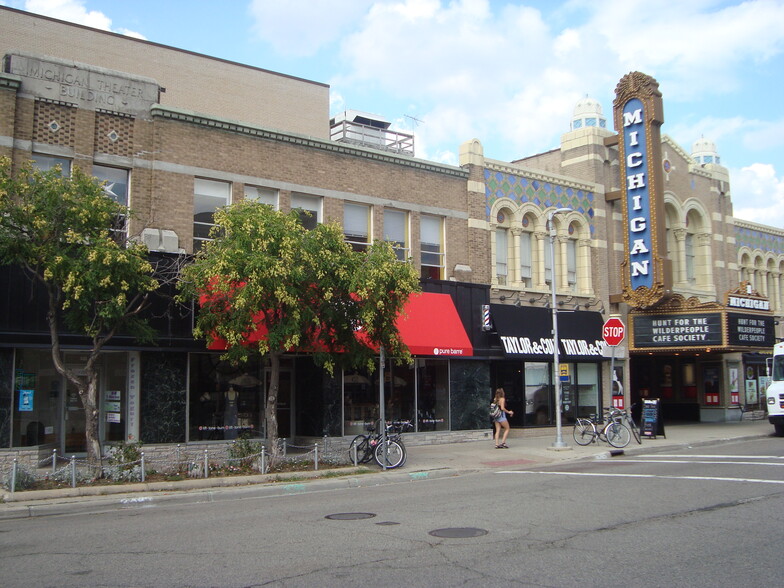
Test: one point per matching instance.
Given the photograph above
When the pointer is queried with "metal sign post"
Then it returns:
(381, 411)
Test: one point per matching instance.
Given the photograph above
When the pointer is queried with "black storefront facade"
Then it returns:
(177, 391)
(525, 366)
(704, 361)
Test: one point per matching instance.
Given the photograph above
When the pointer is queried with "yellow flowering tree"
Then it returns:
(59, 230)
(267, 285)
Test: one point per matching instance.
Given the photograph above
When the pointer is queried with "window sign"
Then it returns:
(26, 400)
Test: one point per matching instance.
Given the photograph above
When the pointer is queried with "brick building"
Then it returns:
(140, 116)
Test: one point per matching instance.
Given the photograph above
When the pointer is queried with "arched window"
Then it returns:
(502, 254)
(671, 227)
(697, 249)
(502, 247)
(527, 250)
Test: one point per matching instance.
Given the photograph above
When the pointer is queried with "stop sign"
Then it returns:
(613, 331)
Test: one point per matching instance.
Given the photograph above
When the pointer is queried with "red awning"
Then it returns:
(431, 326)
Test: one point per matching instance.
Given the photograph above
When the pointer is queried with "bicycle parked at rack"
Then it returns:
(627, 420)
(610, 428)
(364, 448)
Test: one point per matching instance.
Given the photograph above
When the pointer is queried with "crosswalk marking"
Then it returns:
(649, 476)
(702, 461)
(658, 455)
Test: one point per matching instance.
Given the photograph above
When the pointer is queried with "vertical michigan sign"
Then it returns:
(638, 115)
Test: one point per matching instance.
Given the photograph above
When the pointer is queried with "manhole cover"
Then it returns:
(458, 532)
(387, 523)
(350, 516)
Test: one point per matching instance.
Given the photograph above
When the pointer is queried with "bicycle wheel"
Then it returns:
(617, 434)
(583, 432)
(634, 428)
(396, 454)
(361, 442)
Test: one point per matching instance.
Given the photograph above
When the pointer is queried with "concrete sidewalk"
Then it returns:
(527, 448)
(534, 446)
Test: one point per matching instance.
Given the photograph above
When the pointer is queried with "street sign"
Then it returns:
(613, 331)
(563, 369)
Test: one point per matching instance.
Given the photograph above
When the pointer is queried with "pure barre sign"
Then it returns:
(638, 116)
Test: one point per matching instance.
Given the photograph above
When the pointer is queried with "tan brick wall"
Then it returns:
(192, 81)
(338, 176)
(7, 119)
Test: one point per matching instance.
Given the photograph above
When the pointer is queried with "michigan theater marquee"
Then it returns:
(696, 352)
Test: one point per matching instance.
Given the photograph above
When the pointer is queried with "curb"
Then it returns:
(34, 503)
(55, 502)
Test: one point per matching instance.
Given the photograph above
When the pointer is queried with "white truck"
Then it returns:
(775, 393)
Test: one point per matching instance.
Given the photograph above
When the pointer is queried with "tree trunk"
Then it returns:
(87, 386)
(271, 410)
(89, 396)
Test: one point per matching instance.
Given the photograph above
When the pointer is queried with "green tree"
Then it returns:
(58, 229)
(307, 288)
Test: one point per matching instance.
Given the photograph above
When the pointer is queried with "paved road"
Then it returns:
(674, 518)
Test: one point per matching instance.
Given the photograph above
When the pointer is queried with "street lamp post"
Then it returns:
(559, 442)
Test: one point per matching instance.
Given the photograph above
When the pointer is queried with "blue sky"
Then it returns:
(506, 72)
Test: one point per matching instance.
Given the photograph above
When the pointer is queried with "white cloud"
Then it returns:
(76, 12)
(691, 47)
(300, 28)
(758, 195)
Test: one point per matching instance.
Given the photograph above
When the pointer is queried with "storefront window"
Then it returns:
(470, 394)
(360, 399)
(399, 392)
(433, 397)
(509, 376)
(114, 397)
(47, 409)
(587, 400)
(6, 395)
(37, 394)
(225, 401)
(538, 394)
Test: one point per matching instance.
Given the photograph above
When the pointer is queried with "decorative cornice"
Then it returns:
(565, 181)
(752, 226)
(677, 148)
(678, 303)
(10, 81)
(176, 114)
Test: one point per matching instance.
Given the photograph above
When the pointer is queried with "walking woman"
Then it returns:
(500, 421)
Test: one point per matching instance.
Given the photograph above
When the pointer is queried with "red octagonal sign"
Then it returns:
(613, 331)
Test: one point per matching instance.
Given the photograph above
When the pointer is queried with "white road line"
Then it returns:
(606, 475)
(688, 461)
(717, 456)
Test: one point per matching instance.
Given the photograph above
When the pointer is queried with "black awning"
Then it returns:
(527, 333)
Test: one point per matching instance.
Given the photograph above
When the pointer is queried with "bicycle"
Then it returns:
(627, 419)
(364, 448)
(615, 432)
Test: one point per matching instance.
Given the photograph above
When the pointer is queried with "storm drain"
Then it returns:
(458, 532)
(350, 516)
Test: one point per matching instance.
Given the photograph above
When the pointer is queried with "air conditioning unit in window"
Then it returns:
(161, 240)
(152, 239)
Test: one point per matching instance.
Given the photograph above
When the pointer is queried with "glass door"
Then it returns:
(285, 413)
